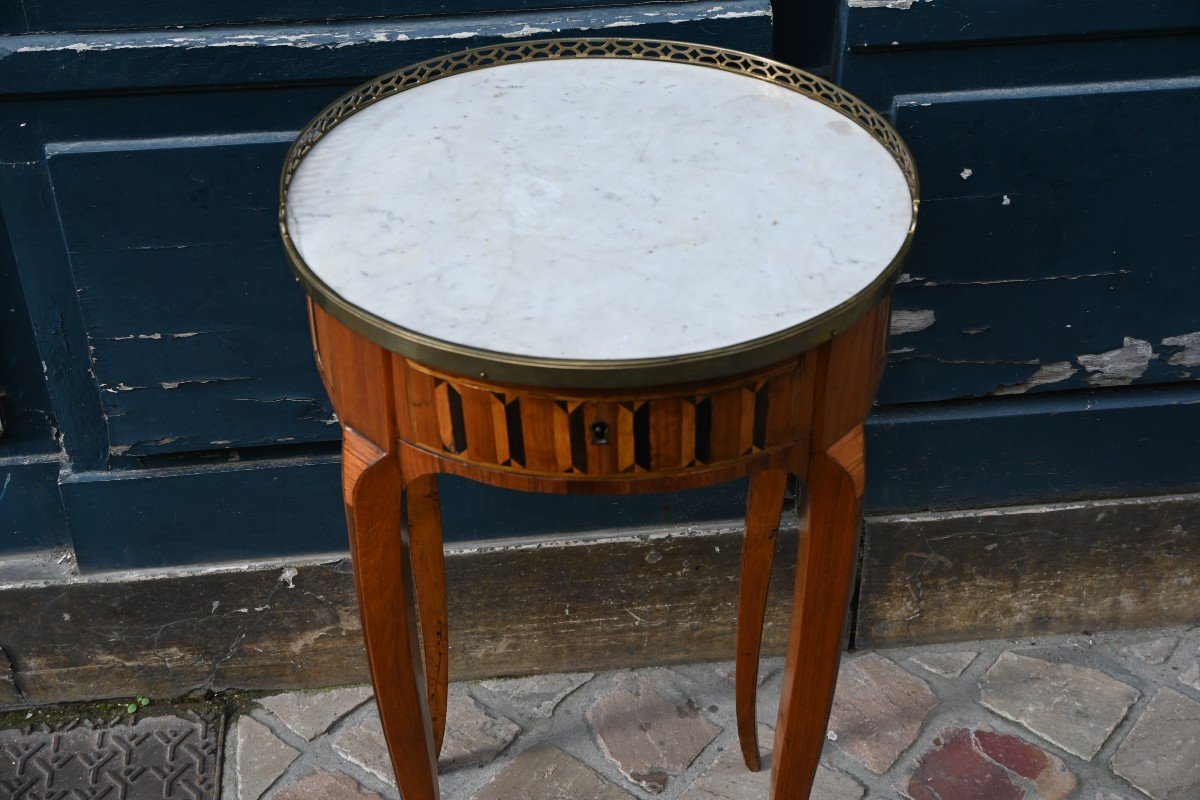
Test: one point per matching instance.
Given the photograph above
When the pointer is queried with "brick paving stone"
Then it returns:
(543, 772)
(728, 779)
(310, 714)
(1191, 675)
(326, 786)
(1074, 707)
(362, 745)
(765, 672)
(473, 736)
(948, 665)
(1152, 651)
(980, 764)
(1161, 754)
(878, 710)
(261, 758)
(646, 735)
(539, 695)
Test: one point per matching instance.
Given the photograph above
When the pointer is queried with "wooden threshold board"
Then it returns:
(602, 601)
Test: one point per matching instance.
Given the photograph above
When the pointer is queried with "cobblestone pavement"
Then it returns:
(1111, 716)
(1088, 717)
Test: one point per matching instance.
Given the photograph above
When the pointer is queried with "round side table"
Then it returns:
(599, 266)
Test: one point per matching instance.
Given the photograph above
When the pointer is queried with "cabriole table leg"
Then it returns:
(849, 368)
(764, 506)
(429, 570)
(380, 553)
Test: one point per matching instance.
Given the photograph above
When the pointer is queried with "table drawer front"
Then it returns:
(602, 433)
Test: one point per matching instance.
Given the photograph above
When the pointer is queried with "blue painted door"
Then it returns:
(160, 401)
(1047, 332)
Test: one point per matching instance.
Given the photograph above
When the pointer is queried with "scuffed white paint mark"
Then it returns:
(911, 321)
(381, 37)
(901, 5)
(341, 36)
(901, 351)
(742, 14)
(288, 576)
(1045, 374)
(966, 173)
(216, 604)
(1119, 367)
(524, 30)
(119, 449)
(1189, 356)
(1005, 201)
(177, 384)
(137, 336)
(7, 481)
(66, 617)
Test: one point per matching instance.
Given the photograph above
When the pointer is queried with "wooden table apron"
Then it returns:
(403, 423)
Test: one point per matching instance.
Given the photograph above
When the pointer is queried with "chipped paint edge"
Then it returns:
(353, 33)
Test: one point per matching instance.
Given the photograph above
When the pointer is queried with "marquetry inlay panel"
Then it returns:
(602, 432)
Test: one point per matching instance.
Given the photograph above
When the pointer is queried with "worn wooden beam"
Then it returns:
(237, 54)
(540, 606)
(605, 601)
(1030, 570)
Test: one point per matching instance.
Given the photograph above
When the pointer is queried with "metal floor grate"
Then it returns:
(156, 757)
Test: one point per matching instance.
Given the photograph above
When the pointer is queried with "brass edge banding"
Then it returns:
(609, 374)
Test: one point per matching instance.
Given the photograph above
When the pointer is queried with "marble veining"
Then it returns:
(598, 209)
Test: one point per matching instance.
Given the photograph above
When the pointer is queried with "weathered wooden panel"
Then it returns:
(1039, 448)
(891, 23)
(25, 423)
(260, 54)
(31, 513)
(878, 76)
(20, 16)
(950, 455)
(540, 607)
(195, 325)
(1054, 244)
(1018, 572)
(205, 513)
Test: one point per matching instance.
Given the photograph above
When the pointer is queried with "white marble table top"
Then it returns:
(598, 209)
